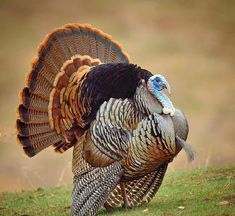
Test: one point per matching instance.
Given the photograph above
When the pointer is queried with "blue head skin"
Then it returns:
(156, 84)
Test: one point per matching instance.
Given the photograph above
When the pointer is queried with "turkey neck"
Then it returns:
(145, 102)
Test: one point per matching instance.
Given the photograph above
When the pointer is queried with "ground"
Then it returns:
(199, 192)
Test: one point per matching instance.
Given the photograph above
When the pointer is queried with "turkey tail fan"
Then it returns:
(59, 47)
(91, 189)
(138, 191)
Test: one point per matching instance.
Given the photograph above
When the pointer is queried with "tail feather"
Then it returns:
(58, 47)
(32, 116)
(34, 144)
(25, 129)
(40, 85)
(33, 101)
(93, 188)
(37, 140)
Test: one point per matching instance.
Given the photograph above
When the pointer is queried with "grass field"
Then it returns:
(198, 192)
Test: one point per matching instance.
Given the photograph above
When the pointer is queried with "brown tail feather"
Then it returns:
(32, 116)
(38, 142)
(61, 45)
(33, 101)
(32, 129)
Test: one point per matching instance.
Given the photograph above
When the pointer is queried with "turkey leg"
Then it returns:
(125, 199)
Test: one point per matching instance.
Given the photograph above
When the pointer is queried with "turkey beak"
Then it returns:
(168, 87)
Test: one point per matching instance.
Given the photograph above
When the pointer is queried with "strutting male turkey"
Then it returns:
(82, 91)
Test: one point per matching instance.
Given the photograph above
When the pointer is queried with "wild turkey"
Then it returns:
(82, 91)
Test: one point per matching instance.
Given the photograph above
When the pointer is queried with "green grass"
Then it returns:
(198, 192)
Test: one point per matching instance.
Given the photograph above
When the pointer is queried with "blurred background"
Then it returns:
(191, 42)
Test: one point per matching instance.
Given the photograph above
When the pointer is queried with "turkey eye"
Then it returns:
(158, 84)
